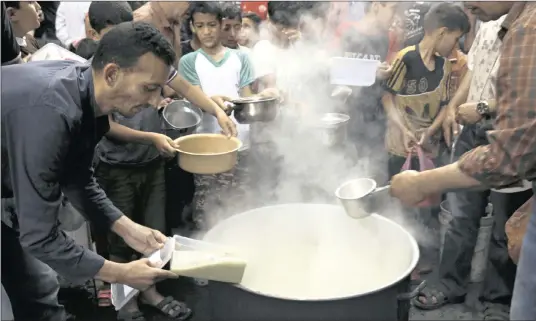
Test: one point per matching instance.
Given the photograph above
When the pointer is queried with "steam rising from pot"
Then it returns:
(309, 172)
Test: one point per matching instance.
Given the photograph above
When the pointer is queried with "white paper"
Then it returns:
(353, 71)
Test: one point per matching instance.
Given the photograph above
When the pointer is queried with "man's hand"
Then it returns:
(141, 274)
(384, 71)
(450, 126)
(165, 145)
(141, 238)
(424, 136)
(467, 114)
(405, 187)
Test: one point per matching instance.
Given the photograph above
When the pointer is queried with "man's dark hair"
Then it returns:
(12, 4)
(86, 48)
(232, 11)
(128, 41)
(103, 14)
(206, 7)
(446, 15)
(253, 17)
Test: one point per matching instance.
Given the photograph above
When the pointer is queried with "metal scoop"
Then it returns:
(358, 196)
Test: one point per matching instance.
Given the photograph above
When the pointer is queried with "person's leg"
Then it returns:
(500, 275)
(524, 296)
(120, 185)
(153, 195)
(460, 239)
(31, 285)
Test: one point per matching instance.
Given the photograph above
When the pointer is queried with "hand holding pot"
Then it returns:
(406, 188)
(141, 274)
(165, 145)
(384, 71)
(140, 238)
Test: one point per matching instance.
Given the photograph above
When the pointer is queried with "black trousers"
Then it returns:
(460, 239)
(31, 285)
(140, 193)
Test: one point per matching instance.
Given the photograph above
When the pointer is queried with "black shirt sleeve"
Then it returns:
(36, 152)
(10, 47)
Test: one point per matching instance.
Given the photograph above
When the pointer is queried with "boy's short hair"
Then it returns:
(205, 7)
(104, 14)
(289, 13)
(232, 11)
(86, 48)
(253, 17)
(446, 15)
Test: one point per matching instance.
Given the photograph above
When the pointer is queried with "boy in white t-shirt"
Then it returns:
(218, 71)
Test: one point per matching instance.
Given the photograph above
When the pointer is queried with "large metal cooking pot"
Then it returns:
(248, 110)
(313, 262)
(333, 128)
(208, 153)
(180, 118)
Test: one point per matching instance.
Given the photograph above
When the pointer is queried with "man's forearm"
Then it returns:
(125, 134)
(447, 178)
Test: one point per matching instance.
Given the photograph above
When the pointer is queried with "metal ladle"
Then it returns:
(358, 196)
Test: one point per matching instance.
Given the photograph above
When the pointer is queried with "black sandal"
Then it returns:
(496, 312)
(130, 316)
(429, 294)
(172, 308)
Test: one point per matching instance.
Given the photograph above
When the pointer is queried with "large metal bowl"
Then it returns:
(248, 110)
(181, 118)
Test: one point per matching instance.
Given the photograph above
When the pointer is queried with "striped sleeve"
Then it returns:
(395, 83)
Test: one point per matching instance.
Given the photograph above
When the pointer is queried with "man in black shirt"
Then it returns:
(10, 47)
(50, 126)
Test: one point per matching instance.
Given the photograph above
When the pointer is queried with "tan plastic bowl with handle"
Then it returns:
(208, 153)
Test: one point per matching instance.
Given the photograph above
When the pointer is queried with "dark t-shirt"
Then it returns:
(364, 105)
(414, 23)
(10, 47)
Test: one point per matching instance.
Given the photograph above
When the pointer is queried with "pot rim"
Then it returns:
(407, 272)
(340, 119)
(189, 105)
(345, 184)
(193, 136)
(249, 100)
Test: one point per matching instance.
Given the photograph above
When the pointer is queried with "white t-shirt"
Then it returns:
(225, 77)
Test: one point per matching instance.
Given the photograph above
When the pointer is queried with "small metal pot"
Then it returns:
(180, 118)
(208, 153)
(333, 127)
(361, 197)
(254, 109)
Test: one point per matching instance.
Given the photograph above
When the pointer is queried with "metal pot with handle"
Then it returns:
(180, 118)
(313, 262)
(249, 110)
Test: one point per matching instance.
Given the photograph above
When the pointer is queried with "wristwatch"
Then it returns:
(483, 108)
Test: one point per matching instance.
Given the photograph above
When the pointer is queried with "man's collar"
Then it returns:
(513, 14)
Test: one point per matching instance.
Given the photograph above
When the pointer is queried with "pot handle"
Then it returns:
(413, 294)
(230, 107)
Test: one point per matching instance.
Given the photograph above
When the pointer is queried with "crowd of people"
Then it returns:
(455, 85)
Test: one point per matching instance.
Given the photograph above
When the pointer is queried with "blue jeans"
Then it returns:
(524, 298)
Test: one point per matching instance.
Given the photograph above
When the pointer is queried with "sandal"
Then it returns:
(496, 312)
(104, 297)
(130, 316)
(429, 295)
(172, 308)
